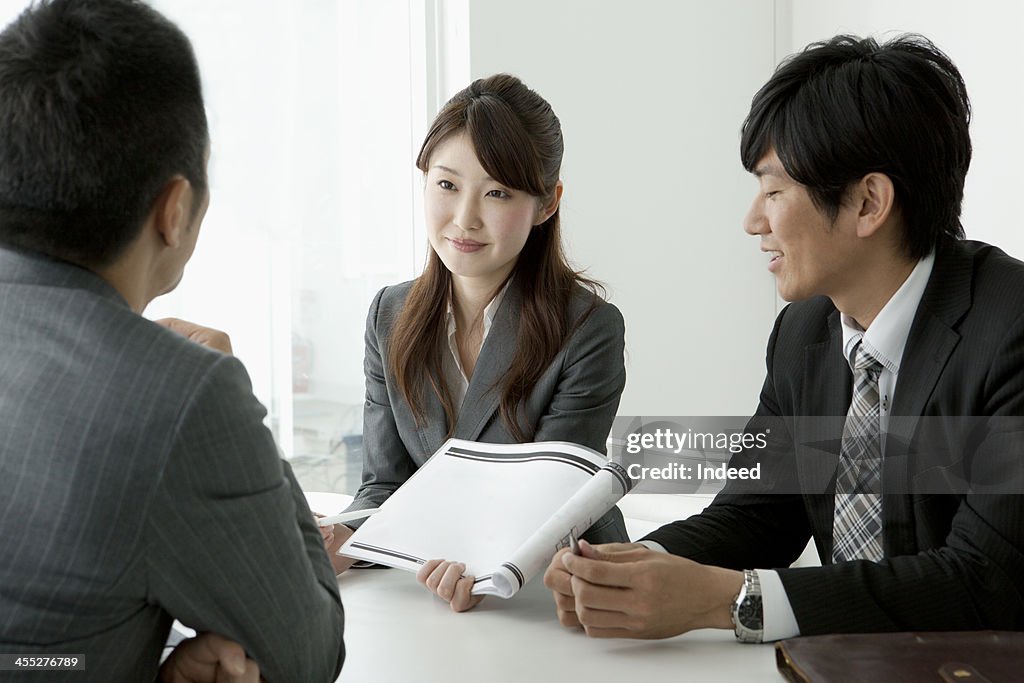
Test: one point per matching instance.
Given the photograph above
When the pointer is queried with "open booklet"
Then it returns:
(501, 509)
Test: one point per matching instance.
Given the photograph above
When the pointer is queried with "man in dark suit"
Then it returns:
(138, 483)
(861, 152)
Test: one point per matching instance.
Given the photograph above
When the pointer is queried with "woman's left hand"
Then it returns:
(448, 581)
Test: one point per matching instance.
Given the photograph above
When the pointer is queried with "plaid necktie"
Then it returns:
(857, 525)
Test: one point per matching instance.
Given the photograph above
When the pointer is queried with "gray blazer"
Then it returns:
(575, 399)
(138, 484)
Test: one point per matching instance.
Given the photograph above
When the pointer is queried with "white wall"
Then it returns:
(651, 96)
(983, 40)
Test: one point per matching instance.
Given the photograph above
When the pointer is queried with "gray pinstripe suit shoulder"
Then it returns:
(138, 484)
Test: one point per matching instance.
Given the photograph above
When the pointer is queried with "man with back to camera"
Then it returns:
(134, 463)
(860, 151)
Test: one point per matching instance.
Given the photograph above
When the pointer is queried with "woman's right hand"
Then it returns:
(334, 536)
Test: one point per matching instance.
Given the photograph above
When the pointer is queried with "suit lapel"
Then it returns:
(484, 393)
(827, 388)
(435, 431)
(931, 341)
(932, 338)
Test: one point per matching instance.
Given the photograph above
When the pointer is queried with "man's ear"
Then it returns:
(547, 209)
(875, 198)
(172, 211)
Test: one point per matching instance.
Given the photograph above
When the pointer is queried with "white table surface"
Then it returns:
(395, 631)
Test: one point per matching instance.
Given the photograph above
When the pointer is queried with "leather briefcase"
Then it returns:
(939, 657)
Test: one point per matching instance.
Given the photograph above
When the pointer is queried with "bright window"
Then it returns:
(317, 109)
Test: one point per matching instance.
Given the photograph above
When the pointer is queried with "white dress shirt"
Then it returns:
(885, 339)
(454, 374)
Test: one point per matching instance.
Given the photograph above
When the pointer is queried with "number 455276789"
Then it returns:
(42, 662)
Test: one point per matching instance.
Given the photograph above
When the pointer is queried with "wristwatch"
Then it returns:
(747, 610)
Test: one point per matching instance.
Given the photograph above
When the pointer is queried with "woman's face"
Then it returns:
(476, 225)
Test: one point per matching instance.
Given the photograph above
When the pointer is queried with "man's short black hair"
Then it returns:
(100, 106)
(848, 106)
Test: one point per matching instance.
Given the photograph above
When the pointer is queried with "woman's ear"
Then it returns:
(547, 209)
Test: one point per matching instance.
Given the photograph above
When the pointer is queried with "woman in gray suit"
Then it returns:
(499, 340)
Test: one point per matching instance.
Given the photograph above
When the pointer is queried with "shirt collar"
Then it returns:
(490, 310)
(886, 337)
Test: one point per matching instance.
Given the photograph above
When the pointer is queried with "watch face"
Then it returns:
(750, 613)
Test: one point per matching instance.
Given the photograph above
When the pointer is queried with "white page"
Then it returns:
(477, 504)
(579, 513)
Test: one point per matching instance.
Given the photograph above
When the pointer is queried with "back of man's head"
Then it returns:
(100, 106)
(848, 106)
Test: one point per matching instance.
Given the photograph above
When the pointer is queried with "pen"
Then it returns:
(346, 516)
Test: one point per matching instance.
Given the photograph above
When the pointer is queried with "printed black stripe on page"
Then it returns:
(391, 553)
(620, 473)
(573, 460)
(515, 572)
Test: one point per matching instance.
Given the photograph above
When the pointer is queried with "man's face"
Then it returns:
(810, 255)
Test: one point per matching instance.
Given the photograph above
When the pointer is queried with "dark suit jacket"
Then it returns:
(953, 561)
(138, 484)
(574, 400)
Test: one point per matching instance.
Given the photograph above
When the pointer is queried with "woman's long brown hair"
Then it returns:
(518, 140)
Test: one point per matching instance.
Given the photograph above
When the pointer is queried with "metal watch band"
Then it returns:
(748, 610)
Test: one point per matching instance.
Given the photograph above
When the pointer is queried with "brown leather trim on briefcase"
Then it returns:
(954, 657)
